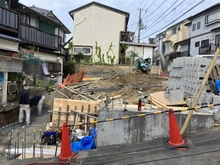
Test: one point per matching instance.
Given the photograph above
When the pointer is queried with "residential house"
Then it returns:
(33, 33)
(159, 51)
(143, 50)
(204, 32)
(175, 33)
(98, 31)
(9, 42)
(42, 31)
(168, 49)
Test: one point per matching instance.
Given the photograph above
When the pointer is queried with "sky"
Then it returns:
(157, 15)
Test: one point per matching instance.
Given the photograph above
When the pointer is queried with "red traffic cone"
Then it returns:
(175, 136)
(66, 151)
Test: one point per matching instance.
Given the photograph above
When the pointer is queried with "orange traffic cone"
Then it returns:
(66, 151)
(175, 136)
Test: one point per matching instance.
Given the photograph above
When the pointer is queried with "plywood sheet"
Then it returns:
(159, 96)
(77, 105)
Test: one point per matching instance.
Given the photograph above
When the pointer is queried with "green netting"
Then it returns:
(47, 27)
(31, 60)
(2, 3)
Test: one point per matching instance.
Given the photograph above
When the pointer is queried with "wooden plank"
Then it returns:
(159, 96)
(73, 105)
(111, 98)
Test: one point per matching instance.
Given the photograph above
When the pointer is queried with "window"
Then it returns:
(217, 40)
(54, 67)
(205, 43)
(213, 17)
(83, 50)
(25, 18)
(174, 30)
(198, 25)
(194, 27)
(197, 44)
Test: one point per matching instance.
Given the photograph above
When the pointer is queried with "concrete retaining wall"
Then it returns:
(145, 128)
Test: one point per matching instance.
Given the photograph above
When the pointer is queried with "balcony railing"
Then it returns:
(127, 36)
(185, 54)
(208, 49)
(39, 37)
(8, 18)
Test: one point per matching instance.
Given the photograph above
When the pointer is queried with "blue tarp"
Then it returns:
(86, 143)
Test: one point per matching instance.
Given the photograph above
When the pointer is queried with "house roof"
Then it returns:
(71, 13)
(10, 38)
(217, 5)
(47, 14)
(68, 41)
(139, 44)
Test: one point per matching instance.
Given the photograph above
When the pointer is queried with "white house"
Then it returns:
(98, 30)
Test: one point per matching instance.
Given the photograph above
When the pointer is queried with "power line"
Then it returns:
(136, 13)
(136, 23)
(175, 19)
(156, 21)
(149, 5)
(156, 9)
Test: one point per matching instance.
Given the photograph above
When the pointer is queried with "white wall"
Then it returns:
(184, 47)
(8, 45)
(144, 52)
(195, 50)
(204, 28)
(101, 25)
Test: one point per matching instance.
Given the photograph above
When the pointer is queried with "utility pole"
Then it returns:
(140, 25)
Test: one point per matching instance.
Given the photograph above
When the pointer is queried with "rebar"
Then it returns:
(56, 149)
(15, 149)
(33, 149)
(22, 148)
(17, 144)
(25, 143)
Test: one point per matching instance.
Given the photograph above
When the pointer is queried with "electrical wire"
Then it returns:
(174, 19)
(149, 5)
(157, 20)
(156, 9)
(136, 14)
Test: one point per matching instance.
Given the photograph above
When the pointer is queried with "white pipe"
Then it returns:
(30, 151)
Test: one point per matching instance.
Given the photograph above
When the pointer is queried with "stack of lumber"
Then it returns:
(161, 102)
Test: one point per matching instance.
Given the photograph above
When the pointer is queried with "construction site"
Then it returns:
(117, 117)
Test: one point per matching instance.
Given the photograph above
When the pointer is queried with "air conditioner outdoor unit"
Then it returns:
(12, 87)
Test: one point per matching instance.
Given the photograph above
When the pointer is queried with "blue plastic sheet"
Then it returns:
(86, 143)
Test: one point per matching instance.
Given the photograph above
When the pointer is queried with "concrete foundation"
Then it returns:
(141, 129)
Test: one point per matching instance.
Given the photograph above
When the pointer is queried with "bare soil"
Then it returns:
(130, 84)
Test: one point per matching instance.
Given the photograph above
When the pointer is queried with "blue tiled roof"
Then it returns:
(3, 36)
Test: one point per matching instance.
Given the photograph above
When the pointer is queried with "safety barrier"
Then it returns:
(144, 114)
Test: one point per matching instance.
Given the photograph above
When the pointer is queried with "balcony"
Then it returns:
(208, 49)
(8, 20)
(185, 54)
(127, 36)
(39, 37)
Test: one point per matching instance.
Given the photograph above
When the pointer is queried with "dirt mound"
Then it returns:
(128, 84)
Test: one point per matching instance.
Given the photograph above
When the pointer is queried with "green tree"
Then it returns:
(123, 49)
(133, 54)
